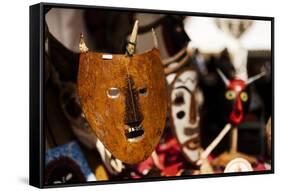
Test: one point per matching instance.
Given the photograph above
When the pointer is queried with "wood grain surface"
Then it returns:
(108, 116)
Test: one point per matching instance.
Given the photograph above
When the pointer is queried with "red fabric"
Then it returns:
(170, 159)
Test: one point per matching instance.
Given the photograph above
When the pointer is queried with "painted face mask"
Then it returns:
(124, 99)
(237, 101)
(185, 99)
(237, 97)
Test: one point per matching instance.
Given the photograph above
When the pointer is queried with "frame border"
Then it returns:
(39, 146)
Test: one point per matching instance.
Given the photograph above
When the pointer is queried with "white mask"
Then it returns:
(184, 113)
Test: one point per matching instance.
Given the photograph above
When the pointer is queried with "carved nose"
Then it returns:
(133, 114)
(192, 110)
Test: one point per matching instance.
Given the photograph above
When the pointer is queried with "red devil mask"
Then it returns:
(237, 97)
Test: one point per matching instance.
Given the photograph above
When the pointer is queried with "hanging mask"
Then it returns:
(124, 99)
(72, 110)
(237, 97)
(185, 101)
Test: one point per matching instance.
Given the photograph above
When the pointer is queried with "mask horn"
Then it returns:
(254, 78)
(82, 45)
(131, 46)
(223, 77)
(155, 41)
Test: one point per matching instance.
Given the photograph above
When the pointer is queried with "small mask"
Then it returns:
(185, 99)
(237, 101)
(124, 99)
(237, 97)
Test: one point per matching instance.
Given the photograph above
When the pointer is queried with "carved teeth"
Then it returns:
(131, 129)
(134, 129)
(134, 134)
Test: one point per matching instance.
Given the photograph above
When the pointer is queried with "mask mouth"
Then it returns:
(237, 112)
(193, 143)
(236, 116)
(134, 134)
(190, 131)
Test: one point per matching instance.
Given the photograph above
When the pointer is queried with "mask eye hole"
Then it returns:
(179, 100)
(244, 96)
(180, 114)
(230, 95)
(113, 93)
(143, 91)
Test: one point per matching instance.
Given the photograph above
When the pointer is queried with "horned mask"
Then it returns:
(124, 98)
(237, 97)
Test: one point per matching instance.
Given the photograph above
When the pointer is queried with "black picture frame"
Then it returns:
(36, 133)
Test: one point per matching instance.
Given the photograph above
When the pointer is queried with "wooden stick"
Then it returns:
(234, 140)
(213, 145)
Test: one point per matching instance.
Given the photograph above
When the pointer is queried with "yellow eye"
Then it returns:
(244, 96)
(230, 95)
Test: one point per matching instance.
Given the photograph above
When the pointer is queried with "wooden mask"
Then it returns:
(124, 99)
(185, 101)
